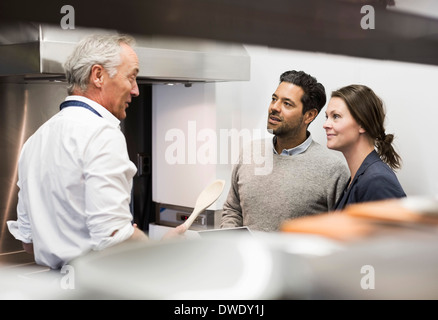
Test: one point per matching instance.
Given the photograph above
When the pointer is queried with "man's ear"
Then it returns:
(97, 75)
(310, 115)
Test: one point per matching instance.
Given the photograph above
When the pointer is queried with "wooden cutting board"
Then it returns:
(408, 210)
(362, 219)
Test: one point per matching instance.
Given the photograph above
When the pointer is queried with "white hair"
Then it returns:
(95, 49)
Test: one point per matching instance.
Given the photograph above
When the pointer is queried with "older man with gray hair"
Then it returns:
(74, 173)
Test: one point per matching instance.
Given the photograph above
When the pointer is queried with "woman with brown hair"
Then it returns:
(355, 126)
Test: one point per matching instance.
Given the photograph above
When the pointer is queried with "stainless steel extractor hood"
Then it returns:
(37, 51)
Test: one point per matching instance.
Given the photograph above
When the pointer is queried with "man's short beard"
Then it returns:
(287, 131)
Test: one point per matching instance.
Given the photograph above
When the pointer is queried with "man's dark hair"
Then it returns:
(314, 96)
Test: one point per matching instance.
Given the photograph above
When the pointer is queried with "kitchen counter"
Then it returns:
(21, 278)
(396, 262)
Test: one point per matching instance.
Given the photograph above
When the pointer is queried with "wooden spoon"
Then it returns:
(206, 198)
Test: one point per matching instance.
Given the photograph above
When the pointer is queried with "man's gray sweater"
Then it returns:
(308, 183)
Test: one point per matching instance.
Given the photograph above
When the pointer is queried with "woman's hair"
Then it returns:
(368, 111)
(103, 50)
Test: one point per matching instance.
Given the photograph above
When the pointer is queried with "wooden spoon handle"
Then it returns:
(191, 218)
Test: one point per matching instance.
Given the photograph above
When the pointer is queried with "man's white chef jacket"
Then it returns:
(75, 181)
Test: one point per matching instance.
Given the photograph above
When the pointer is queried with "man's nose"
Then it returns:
(135, 92)
(276, 106)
